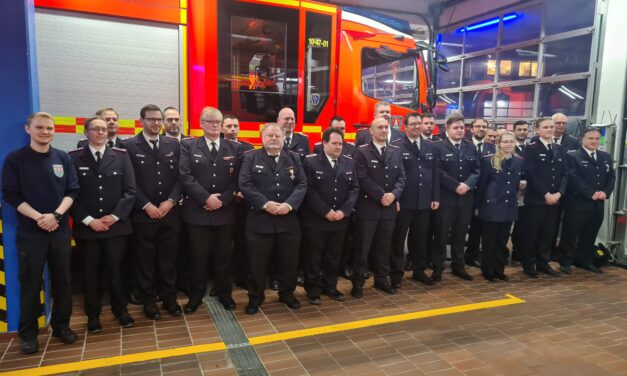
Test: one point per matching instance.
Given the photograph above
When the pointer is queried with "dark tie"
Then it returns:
(98, 158)
(214, 150)
(382, 150)
(110, 143)
(155, 147)
(416, 147)
(593, 156)
(457, 146)
(480, 147)
(555, 140)
(287, 141)
(334, 164)
(275, 160)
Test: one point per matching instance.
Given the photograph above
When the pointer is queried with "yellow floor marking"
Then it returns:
(196, 349)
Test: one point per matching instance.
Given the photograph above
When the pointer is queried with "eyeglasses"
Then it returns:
(154, 120)
(207, 122)
(559, 122)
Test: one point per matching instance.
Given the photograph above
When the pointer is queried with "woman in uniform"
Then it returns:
(499, 181)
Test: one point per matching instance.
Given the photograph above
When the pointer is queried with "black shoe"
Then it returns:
(396, 284)
(357, 292)
(420, 276)
(274, 285)
(93, 325)
(385, 287)
(334, 294)
(29, 346)
(566, 269)
(241, 284)
(436, 276)
(591, 268)
(365, 275)
(314, 299)
(151, 311)
(409, 266)
(173, 308)
(191, 306)
(126, 321)
(473, 263)
(489, 277)
(461, 273)
(252, 308)
(531, 273)
(290, 301)
(133, 298)
(227, 302)
(548, 270)
(66, 335)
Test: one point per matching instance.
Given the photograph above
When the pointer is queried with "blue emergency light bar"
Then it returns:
(489, 22)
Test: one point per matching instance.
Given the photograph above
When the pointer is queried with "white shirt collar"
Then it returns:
(477, 142)
(546, 144)
(217, 142)
(454, 142)
(559, 139)
(426, 137)
(101, 150)
(179, 137)
(377, 145)
(331, 159)
(148, 139)
(588, 151)
(416, 140)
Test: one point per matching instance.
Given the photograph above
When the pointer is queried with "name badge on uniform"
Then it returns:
(83, 168)
(228, 157)
(405, 153)
(258, 166)
(448, 155)
(170, 154)
(197, 155)
(140, 156)
(374, 161)
(320, 172)
(58, 170)
(349, 172)
(542, 155)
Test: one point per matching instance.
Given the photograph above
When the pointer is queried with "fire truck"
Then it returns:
(249, 58)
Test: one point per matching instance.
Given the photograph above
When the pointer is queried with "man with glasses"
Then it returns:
(101, 220)
(111, 117)
(172, 123)
(40, 182)
(156, 217)
(209, 168)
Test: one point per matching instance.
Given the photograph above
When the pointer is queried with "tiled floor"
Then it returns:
(573, 325)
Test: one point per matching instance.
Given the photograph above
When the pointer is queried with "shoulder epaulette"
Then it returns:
(347, 156)
(573, 137)
(311, 155)
(572, 151)
(302, 134)
(363, 146)
(487, 156)
(293, 153)
(350, 143)
(518, 156)
(467, 141)
(250, 150)
(318, 143)
(394, 146)
(118, 149)
(532, 143)
(75, 150)
(187, 138)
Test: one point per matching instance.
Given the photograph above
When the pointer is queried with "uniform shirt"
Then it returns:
(497, 189)
(364, 137)
(156, 173)
(422, 185)
(588, 176)
(378, 174)
(299, 143)
(329, 189)
(486, 147)
(202, 175)
(567, 142)
(40, 179)
(262, 179)
(457, 166)
(117, 141)
(545, 171)
(106, 189)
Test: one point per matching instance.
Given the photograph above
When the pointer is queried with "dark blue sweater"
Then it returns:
(40, 179)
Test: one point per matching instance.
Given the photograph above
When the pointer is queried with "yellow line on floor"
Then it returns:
(196, 349)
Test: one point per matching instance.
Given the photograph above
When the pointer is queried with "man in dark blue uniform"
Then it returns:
(420, 197)
(156, 217)
(428, 125)
(296, 142)
(459, 175)
(331, 195)
(381, 110)
(40, 182)
(172, 123)
(111, 117)
(381, 182)
(547, 177)
(348, 148)
(274, 184)
(101, 220)
(230, 131)
(521, 131)
(591, 183)
(208, 168)
(479, 129)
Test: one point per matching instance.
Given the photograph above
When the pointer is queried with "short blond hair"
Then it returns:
(41, 115)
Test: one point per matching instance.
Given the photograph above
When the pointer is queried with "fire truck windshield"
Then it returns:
(389, 79)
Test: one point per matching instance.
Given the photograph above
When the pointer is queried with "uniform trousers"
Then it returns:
(323, 251)
(156, 249)
(473, 249)
(213, 243)
(240, 258)
(453, 220)
(348, 249)
(34, 250)
(104, 255)
(260, 247)
(537, 224)
(579, 232)
(494, 236)
(416, 221)
(374, 239)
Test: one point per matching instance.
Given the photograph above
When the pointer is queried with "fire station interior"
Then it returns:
(502, 61)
